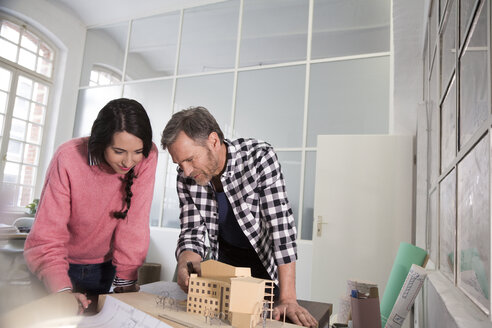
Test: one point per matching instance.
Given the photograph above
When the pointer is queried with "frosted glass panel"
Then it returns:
(448, 129)
(291, 169)
(270, 105)
(152, 49)
(474, 222)
(433, 111)
(104, 48)
(350, 27)
(214, 92)
(466, 10)
(155, 97)
(432, 245)
(89, 103)
(170, 215)
(274, 31)
(433, 24)
(308, 201)
(447, 225)
(209, 37)
(448, 47)
(348, 97)
(159, 186)
(474, 97)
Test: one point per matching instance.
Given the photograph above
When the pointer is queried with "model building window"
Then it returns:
(227, 289)
(26, 79)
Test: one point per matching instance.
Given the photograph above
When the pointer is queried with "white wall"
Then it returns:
(68, 34)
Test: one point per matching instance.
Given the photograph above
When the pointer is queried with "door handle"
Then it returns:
(319, 225)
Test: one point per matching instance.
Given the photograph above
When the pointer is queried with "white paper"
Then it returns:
(413, 283)
(114, 314)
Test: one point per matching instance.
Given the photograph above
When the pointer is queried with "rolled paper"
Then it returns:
(407, 255)
(344, 310)
(411, 288)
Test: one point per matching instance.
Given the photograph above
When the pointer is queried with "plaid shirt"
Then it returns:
(254, 185)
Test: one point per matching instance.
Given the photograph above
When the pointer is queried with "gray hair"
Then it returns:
(196, 122)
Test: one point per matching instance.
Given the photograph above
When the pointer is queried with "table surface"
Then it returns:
(320, 311)
(17, 235)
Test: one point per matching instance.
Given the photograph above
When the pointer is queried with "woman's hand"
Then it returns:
(81, 300)
(127, 289)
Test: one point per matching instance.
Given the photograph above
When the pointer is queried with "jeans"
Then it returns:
(92, 279)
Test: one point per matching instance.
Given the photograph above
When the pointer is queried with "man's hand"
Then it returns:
(183, 275)
(127, 289)
(296, 313)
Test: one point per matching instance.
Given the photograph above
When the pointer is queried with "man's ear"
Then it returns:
(213, 140)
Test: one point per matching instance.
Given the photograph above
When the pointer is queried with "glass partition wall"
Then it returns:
(456, 132)
(282, 71)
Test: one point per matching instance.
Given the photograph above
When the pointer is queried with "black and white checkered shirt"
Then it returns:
(254, 185)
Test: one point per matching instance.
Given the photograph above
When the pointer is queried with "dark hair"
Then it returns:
(196, 122)
(117, 116)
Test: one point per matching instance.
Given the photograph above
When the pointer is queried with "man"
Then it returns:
(235, 192)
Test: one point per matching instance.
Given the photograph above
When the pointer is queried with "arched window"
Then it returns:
(26, 79)
(103, 76)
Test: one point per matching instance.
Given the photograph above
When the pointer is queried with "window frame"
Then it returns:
(18, 70)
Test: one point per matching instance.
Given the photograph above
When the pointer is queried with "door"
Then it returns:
(362, 210)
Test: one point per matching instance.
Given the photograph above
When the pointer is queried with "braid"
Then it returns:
(128, 199)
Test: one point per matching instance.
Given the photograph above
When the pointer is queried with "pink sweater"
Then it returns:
(74, 224)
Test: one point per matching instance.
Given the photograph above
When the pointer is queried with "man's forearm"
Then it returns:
(287, 281)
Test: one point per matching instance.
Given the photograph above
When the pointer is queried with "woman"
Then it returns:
(92, 224)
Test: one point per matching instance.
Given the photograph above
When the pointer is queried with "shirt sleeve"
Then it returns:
(45, 249)
(132, 234)
(275, 208)
(192, 235)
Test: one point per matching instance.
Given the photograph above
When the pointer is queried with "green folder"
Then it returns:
(407, 255)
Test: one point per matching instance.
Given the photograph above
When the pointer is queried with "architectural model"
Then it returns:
(230, 293)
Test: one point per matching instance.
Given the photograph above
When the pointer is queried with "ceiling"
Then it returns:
(99, 12)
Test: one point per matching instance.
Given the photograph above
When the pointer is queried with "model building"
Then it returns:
(230, 293)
